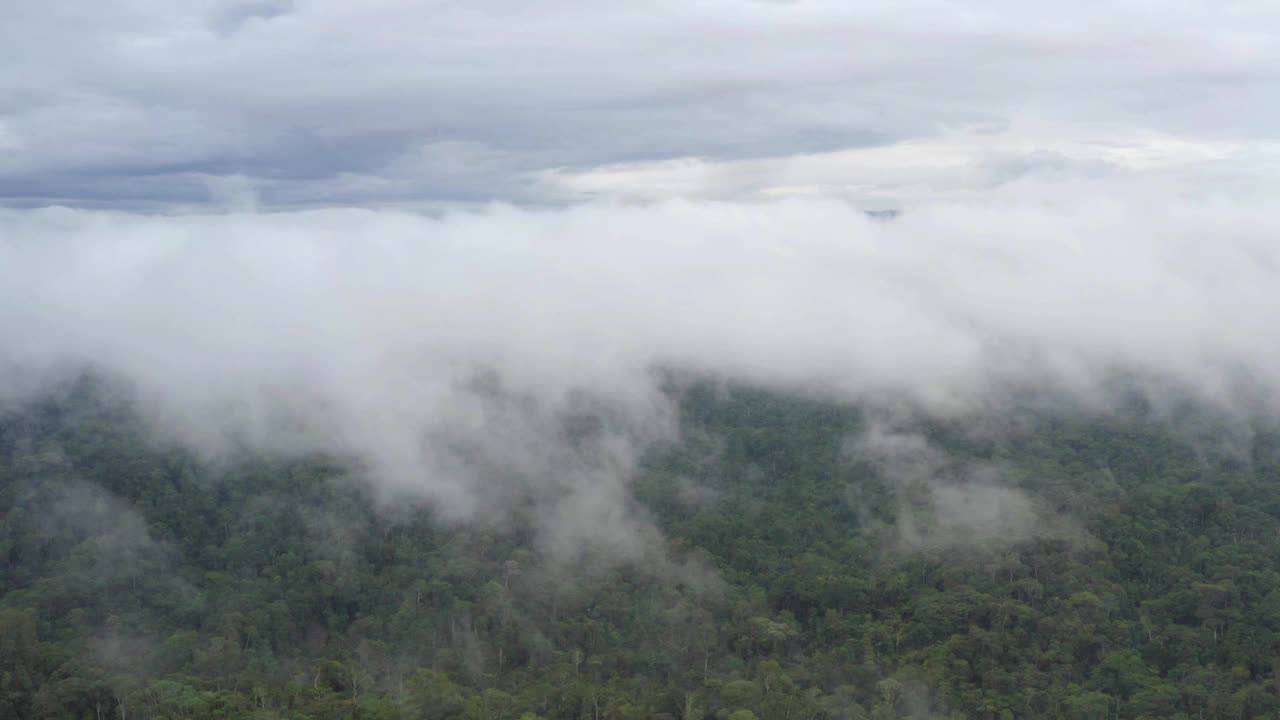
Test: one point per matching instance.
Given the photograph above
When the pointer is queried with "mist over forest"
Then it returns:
(687, 460)
(566, 360)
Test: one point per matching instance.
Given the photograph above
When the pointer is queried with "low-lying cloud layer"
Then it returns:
(489, 359)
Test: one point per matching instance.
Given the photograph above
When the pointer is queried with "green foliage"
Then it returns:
(137, 582)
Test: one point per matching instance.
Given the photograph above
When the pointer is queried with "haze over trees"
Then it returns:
(695, 461)
(817, 560)
(581, 360)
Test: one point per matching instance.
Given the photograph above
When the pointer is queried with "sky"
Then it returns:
(164, 106)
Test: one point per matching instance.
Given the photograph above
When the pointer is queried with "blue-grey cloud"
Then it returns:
(317, 101)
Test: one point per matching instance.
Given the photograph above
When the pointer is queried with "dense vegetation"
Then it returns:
(140, 583)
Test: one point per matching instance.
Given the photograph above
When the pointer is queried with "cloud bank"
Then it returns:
(483, 361)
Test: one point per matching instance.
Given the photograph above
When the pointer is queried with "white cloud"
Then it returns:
(445, 354)
(953, 165)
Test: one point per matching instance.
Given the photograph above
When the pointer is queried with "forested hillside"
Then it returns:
(810, 566)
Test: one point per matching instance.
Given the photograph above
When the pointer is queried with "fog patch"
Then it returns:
(944, 504)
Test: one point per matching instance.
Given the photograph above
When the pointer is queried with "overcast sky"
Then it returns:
(163, 104)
